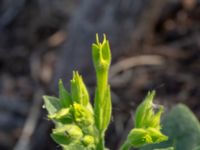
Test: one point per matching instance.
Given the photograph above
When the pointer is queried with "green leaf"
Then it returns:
(97, 111)
(106, 109)
(145, 115)
(78, 90)
(103, 110)
(52, 104)
(144, 111)
(64, 96)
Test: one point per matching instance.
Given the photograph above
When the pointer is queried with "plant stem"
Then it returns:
(100, 145)
(125, 146)
(102, 81)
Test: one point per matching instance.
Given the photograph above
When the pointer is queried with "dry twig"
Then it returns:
(30, 124)
(135, 61)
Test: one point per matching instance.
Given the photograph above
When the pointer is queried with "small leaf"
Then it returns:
(107, 106)
(145, 116)
(155, 120)
(79, 91)
(64, 96)
(103, 110)
(84, 93)
(97, 111)
(75, 90)
(52, 104)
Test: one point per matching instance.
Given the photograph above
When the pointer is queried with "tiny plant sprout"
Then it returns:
(81, 126)
(147, 125)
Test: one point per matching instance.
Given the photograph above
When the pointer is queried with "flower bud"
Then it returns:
(147, 125)
(67, 134)
(145, 116)
(64, 116)
(78, 90)
(88, 140)
(101, 54)
(83, 117)
(156, 135)
(139, 137)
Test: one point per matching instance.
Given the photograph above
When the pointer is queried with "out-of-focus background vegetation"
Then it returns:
(155, 45)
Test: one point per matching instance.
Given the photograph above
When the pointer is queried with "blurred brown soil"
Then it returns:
(155, 45)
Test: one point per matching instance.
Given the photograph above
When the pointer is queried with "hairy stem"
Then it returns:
(100, 145)
(125, 146)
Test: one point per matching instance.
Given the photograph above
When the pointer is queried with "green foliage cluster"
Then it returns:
(81, 125)
(72, 114)
(147, 125)
(182, 128)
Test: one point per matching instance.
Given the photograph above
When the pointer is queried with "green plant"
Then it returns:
(79, 125)
(183, 129)
(147, 125)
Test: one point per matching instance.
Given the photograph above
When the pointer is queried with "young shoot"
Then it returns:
(81, 126)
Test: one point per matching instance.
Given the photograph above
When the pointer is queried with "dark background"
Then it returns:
(155, 45)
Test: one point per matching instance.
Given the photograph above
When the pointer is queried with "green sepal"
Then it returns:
(106, 108)
(67, 134)
(64, 116)
(145, 116)
(139, 137)
(52, 104)
(64, 95)
(101, 54)
(103, 110)
(156, 135)
(82, 116)
(79, 91)
(147, 125)
(98, 111)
